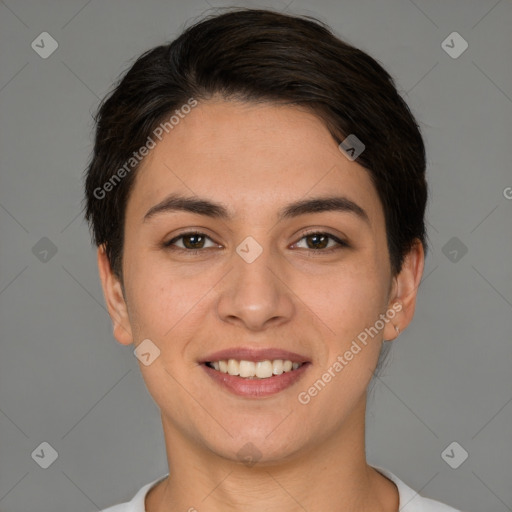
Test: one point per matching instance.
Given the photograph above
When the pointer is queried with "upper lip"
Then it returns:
(252, 354)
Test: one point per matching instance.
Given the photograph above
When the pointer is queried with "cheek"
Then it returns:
(353, 297)
(149, 294)
(350, 307)
(163, 303)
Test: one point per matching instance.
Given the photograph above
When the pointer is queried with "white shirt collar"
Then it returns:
(409, 500)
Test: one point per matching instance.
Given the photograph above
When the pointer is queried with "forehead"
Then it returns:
(252, 157)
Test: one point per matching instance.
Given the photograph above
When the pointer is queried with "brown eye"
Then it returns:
(196, 241)
(319, 241)
(192, 241)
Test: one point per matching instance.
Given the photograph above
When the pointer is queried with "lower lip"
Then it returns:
(255, 388)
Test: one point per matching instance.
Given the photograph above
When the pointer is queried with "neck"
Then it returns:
(331, 475)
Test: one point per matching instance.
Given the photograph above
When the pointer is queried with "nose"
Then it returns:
(254, 294)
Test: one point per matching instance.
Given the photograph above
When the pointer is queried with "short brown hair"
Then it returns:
(262, 56)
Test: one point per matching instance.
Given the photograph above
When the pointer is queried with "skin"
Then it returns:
(255, 159)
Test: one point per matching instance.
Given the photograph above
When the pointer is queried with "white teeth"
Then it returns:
(277, 367)
(264, 369)
(247, 369)
(233, 367)
(250, 369)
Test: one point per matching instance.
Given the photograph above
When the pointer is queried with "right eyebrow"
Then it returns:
(199, 206)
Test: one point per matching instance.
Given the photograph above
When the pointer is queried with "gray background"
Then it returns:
(64, 379)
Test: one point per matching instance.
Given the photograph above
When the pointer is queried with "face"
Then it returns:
(260, 283)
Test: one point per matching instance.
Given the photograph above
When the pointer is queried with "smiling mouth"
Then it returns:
(254, 370)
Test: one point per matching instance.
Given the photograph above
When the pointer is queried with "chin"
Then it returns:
(259, 446)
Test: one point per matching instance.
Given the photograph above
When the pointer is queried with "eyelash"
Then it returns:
(341, 244)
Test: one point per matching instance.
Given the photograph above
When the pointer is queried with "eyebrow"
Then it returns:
(203, 206)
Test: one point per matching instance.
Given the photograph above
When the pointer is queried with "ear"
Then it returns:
(115, 300)
(404, 291)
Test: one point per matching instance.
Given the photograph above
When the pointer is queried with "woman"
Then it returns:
(257, 195)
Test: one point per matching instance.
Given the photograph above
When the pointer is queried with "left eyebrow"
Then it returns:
(204, 206)
(323, 204)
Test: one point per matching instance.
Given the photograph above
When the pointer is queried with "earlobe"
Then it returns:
(405, 290)
(114, 298)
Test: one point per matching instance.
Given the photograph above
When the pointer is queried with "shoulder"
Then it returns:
(410, 500)
(137, 503)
